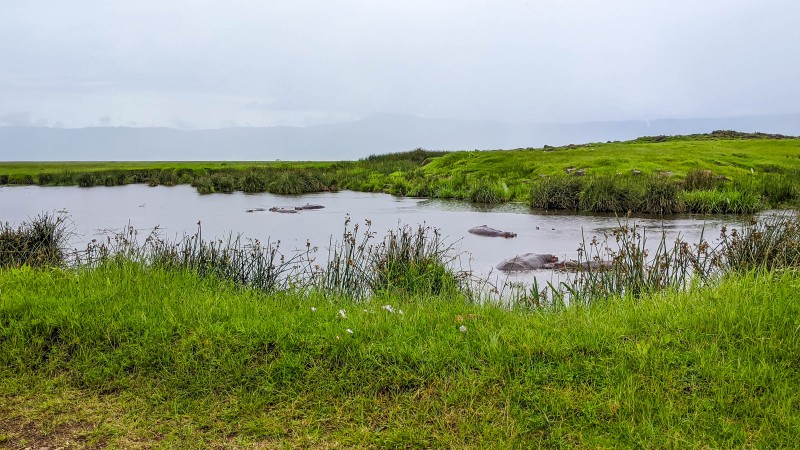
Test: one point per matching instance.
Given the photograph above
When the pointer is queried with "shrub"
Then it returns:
(204, 185)
(485, 192)
(700, 180)
(660, 196)
(557, 193)
(609, 194)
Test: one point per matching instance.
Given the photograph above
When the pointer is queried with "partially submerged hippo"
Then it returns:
(528, 261)
(484, 230)
(308, 206)
(576, 265)
(283, 210)
(255, 209)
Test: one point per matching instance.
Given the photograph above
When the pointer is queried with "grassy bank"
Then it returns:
(721, 172)
(204, 344)
(124, 355)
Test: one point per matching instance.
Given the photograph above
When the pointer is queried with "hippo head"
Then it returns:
(550, 258)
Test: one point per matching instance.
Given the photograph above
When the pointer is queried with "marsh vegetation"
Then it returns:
(720, 172)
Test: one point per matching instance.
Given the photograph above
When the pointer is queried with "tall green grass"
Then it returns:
(720, 202)
(409, 261)
(623, 264)
(772, 243)
(561, 192)
(405, 261)
(655, 194)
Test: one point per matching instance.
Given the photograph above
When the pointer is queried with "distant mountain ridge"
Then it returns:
(378, 134)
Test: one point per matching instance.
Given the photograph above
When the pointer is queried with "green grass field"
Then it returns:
(728, 158)
(124, 356)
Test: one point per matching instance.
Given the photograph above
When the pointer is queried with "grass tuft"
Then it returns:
(38, 242)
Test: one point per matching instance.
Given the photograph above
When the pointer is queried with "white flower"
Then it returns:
(462, 329)
(400, 311)
(313, 309)
(388, 308)
(342, 314)
(349, 331)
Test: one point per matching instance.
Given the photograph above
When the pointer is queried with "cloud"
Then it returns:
(299, 63)
(21, 119)
(184, 124)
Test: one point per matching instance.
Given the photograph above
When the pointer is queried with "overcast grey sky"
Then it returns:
(209, 64)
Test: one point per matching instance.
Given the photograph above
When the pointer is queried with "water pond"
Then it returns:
(177, 210)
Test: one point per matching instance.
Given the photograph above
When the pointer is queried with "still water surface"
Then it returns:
(177, 210)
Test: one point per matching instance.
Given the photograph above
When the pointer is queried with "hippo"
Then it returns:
(484, 230)
(528, 261)
(254, 210)
(308, 206)
(283, 210)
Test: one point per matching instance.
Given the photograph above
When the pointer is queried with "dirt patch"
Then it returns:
(20, 433)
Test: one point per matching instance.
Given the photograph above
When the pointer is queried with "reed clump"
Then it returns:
(620, 264)
(487, 192)
(408, 260)
(660, 196)
(413, 261)
(772, 243)
(608, 194)
(720, 201)
(38, 242)
(560, 192)
(245, 262)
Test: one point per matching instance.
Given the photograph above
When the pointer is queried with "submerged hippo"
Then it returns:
(255, 209)
(576, 265)
(484, 230)
(308, 206)
(283, 210)
(528, 261)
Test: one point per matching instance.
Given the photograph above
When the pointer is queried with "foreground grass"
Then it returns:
(127, 356)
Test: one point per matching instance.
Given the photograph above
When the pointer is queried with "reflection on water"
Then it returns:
(177, 211)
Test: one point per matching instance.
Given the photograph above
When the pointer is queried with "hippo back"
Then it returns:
(484, 230)
(527, 261)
